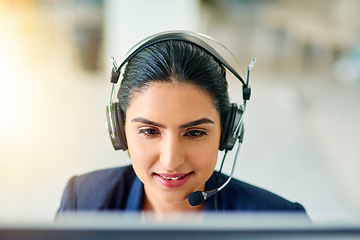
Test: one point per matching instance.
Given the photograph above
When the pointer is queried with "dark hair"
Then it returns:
(175, 61)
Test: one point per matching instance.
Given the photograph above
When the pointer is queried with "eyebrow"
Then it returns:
(197, 122)
(146, 121)
(186, 125)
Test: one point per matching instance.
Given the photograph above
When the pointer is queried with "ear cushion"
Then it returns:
(233, 128)
(227, 127)
(115, 126)
(110, 126)
(114, 136)
(120, 126)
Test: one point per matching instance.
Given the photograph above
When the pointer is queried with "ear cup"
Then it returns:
(115, 126)
(227, 128)
(121, 126)
(230, 129)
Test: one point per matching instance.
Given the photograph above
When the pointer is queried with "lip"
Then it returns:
(172, 180)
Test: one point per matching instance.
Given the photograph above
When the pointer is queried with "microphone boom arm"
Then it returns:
(232, 169)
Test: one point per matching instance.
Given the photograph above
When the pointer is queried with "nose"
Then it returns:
(172, 153)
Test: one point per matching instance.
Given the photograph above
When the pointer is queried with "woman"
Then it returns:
(174, 103)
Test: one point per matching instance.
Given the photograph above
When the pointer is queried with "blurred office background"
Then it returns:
(302, 123)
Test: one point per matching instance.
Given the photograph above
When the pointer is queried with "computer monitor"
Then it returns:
(95, 226)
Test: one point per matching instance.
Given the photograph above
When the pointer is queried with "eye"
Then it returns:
(195, 133)
(149, 132)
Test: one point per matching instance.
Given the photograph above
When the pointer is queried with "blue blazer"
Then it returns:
(120, 189)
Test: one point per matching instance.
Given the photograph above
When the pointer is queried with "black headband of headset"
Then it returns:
(182, 36)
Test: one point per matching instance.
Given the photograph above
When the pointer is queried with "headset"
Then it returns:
(233, 127)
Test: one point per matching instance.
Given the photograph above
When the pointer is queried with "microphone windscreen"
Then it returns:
(195, 198)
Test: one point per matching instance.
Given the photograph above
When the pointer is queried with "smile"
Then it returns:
(172, 180)
(169, 178)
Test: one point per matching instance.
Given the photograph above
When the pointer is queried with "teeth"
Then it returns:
(168, 178)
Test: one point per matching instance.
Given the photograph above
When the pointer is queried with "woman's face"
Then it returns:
(173, 133)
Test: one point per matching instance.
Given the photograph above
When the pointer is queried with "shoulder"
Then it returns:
(244, 196)
(101, 189)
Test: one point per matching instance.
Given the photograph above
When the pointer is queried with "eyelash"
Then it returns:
(151, 132)
(147, 133)
(198, 133)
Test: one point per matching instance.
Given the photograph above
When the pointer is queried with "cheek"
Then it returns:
(204, 156)
(142, 154)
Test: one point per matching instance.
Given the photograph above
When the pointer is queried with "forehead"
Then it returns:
(179, 100)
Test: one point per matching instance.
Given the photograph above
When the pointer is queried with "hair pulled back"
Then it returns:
(179, 62)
